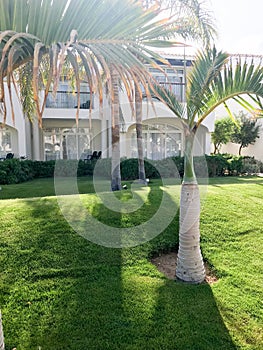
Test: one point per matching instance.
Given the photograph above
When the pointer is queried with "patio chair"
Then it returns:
(92, 156)
(9, 156)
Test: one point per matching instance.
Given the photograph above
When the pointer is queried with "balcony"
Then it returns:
(176, 88)
(66, 99)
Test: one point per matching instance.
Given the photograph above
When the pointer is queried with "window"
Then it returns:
(159, 141)
(66, 143)
(5, 141)
(172, 79)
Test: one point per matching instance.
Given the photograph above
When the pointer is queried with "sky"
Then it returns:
(239, 25)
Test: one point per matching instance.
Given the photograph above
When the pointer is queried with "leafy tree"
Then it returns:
(245, 132)
(222, 134)
(213, 80)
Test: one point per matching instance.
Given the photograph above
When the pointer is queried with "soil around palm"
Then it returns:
(166, 263)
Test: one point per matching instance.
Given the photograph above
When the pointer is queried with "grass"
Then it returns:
(60, 291)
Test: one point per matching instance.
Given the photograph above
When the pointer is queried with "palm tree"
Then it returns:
(57, 32)
(193, 22)
(88, 34)
(115, 134)
(51, 34)
(193, 18)
(213, 80)
(139, 135)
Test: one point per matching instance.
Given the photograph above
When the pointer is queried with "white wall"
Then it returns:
(17, 128)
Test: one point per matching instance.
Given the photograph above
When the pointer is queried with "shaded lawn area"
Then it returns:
(60, 291)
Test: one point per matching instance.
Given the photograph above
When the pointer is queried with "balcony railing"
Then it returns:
(176, 88)
(65, 99)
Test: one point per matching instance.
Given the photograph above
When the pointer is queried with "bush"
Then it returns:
(235, 165)
(12, 171)
(15, 171)
(42, 169)
(217, 165)
(251, 166)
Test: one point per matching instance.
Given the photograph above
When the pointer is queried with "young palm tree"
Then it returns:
(213, 80)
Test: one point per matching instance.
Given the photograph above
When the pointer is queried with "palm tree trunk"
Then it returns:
(2, 344)
(138, 111)
(190, 266)
(115, 130)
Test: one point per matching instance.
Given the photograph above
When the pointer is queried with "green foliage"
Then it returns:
(222, 134)
(216, 165)
(120, 32)
(42, 169)
(246, 132)
(251, 166)
(16, 171)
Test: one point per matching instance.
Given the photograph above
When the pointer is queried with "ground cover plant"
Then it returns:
(60, 291)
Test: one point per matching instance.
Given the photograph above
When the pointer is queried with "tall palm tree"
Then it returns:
(213, 81)
(115, 134)
(92, 34)
(57, 32)
(193, 18)
(193, 22)
(139, 135)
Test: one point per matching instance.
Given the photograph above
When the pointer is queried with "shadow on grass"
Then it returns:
(63, 292)
(187, 317)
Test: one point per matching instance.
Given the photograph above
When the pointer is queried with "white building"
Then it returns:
(61, 138)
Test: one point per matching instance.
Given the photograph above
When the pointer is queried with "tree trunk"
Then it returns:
(138, 111)
(2, 345)
(115, 130)
(190, 266)
(240, 149)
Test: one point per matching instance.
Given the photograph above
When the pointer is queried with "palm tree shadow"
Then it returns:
(187, 317)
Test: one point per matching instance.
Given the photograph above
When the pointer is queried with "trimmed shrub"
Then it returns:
(235, 164)
(251, 166)
(15, 171)
(217, 165)
(42, 169)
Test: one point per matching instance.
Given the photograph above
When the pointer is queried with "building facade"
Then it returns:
(61, 138)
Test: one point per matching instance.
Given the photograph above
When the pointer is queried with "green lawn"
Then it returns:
(59, 291)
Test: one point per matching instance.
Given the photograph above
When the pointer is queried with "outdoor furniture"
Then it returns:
(9, 156)
(94, 155)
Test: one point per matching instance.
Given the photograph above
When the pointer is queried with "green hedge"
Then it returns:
(15, 171)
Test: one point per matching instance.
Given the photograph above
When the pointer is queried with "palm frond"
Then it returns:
(169, 99)
(206, 70)
(236, 81)
(117, 32)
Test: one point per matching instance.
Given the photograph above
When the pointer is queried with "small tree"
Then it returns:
(213, 81)
(245, 132)
(224, 129)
